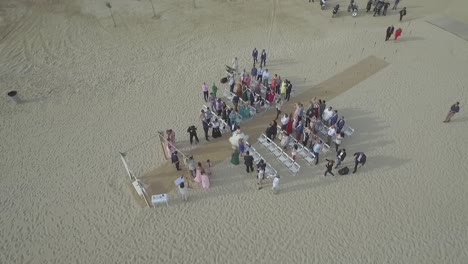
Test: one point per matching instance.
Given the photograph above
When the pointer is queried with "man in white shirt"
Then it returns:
(327, 114)
(265, 77)
(259, 74)
(284, 121)
(331, 134)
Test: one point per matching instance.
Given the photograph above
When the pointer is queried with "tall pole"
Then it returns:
(152, 6)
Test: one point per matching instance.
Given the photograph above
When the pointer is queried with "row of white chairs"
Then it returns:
(302, 151)
(279, 153)
(270, 172)
(230, 95)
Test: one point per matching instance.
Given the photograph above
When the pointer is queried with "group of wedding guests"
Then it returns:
(305, 125)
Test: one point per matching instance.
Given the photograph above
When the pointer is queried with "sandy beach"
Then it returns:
(92, 90)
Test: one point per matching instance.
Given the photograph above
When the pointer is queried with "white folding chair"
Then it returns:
(348, 131)
(228, 95)
(283, 158)
(295, 168)
(289, 162)
(272, 146)
(277, 152)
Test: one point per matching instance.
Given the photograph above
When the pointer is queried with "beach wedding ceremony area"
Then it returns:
(234, 131)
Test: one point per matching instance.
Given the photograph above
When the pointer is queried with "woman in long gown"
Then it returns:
(198, 173)
(205, 180)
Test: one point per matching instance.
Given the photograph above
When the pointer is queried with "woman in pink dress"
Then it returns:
(198, 173)
(205, 180)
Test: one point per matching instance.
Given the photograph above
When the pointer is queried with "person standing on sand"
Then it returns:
(395, 5)
(329, 167)
(288, 90)
(322, 107)
(338, 139)
(265, 77)
(259, 74)
(316, 149)
(192, 167)
(390, 30)
(331, 133)
(231, 84)
(255, 56)
(205, 91)
(263, 58)
(359, 158)
(279, 104)
(275, 186)
(340, 156)
(205, 124)
(192, 130)
(183, 191)
(453, 110)
(402, 13)
(214, 89)
(175, 160)
(212, 101)
(253, 72)
(248, 161)
(398, 33)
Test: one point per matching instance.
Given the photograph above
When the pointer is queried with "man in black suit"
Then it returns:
(359, 158)
(248, 161)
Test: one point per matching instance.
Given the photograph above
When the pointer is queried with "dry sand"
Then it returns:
(94, 90)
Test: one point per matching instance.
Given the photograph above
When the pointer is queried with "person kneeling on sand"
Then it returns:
(275, 187)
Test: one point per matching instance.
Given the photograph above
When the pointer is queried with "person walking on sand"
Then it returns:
(359, 158)
(390, 30)
(192, 130)
(183, 191)
(255, 56)
(205, 91)
(398, 33)
(340, 156)
(248, 161)
(263, 58)
(212, 101)
(261, 167)
(395, 5)
(259, 74)
(275, 186)
(402, 13)
(329, 167)
(288, 89)
(453, 110)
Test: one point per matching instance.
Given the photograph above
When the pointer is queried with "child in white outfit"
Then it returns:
(275, 187)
